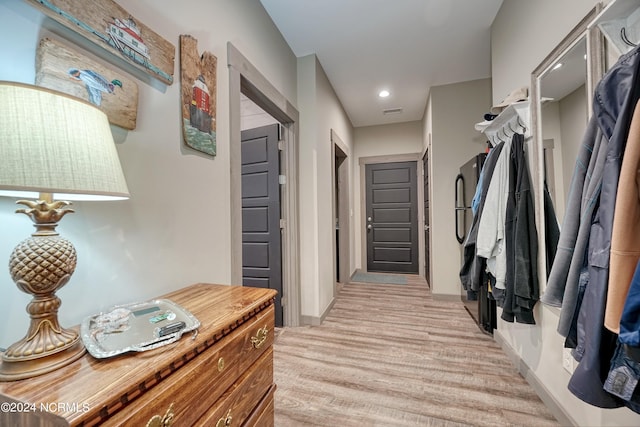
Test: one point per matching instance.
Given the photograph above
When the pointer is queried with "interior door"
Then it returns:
(261, 237)
(427, 227)
(392, 217)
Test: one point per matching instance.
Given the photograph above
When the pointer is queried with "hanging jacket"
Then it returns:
(625, 241)
(615, 98)
(622, 311)
(584, 193)
(526, 285)
(624, 374)
(630, 319)
(490, 238)
(521, 241)
(506, 300)
(562, 286)
(471, 271)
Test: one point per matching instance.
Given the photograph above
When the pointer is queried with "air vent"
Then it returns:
(392, 111)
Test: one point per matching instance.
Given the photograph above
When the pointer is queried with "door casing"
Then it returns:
(341, 181)
(245, 78)
(426, 223)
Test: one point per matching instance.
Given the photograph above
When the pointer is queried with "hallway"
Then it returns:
(392, 355)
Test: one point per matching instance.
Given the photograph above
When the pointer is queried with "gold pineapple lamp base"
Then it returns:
(40, 265)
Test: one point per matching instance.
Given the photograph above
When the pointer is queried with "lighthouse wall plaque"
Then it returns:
(111, 27)
(61, 68)
(198, 74)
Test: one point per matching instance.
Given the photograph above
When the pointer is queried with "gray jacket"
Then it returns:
(562, 286)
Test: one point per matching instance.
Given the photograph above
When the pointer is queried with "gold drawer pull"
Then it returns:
(260, 338)
(221, 364)
(225, 421)
(165, 421)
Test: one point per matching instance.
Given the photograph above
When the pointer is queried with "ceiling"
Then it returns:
(403, 46)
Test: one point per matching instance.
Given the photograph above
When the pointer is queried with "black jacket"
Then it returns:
(522, 289)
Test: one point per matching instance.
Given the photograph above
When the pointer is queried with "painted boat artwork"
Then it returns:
(114, 29)
(125, 36)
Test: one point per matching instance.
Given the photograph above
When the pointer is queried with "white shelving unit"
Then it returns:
(618, 21)
(516, 118)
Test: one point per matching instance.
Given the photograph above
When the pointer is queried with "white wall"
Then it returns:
(370, 141)
(573, 117)
(565, 121)
(523, 34)
(320, 111)
(552, 130)
(386, 140)
(174, 231)
(518, 46)
(454, 110)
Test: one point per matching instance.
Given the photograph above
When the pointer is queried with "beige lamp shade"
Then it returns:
(53, 143)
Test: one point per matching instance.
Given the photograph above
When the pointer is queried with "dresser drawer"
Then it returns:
(194, 388)
(240, 401)
(264, 414)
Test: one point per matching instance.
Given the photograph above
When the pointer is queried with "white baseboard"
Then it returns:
(317, 320)
(554, 406)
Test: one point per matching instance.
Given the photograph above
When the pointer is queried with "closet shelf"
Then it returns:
(515, 118)
(619, 21)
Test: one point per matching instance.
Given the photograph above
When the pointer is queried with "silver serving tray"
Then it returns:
(136, 327)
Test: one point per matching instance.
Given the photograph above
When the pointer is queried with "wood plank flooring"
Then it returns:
(389, 355)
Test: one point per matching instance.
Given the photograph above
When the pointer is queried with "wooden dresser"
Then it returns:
(223, 376)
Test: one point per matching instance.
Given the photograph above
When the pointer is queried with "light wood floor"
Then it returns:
(389, 355)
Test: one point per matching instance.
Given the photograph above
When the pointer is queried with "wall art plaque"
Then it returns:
(111, 27)
(61, 68)
(198, 75)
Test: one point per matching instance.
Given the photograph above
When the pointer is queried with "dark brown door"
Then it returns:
(391, 217)
(261, 237)
(427, 227)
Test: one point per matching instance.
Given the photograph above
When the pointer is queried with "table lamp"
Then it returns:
(53, 147)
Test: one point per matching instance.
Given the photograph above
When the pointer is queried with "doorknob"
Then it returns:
(369, 227)
(369, 219)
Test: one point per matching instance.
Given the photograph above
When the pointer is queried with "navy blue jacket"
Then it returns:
(615, 98)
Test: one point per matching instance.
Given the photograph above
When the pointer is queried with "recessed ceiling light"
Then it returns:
(383, 93)
(558, 65)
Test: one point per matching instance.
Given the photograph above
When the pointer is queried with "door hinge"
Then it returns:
(283, 301)
(280, 145)
(282, 179)
(280, 133)
(283, 224)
